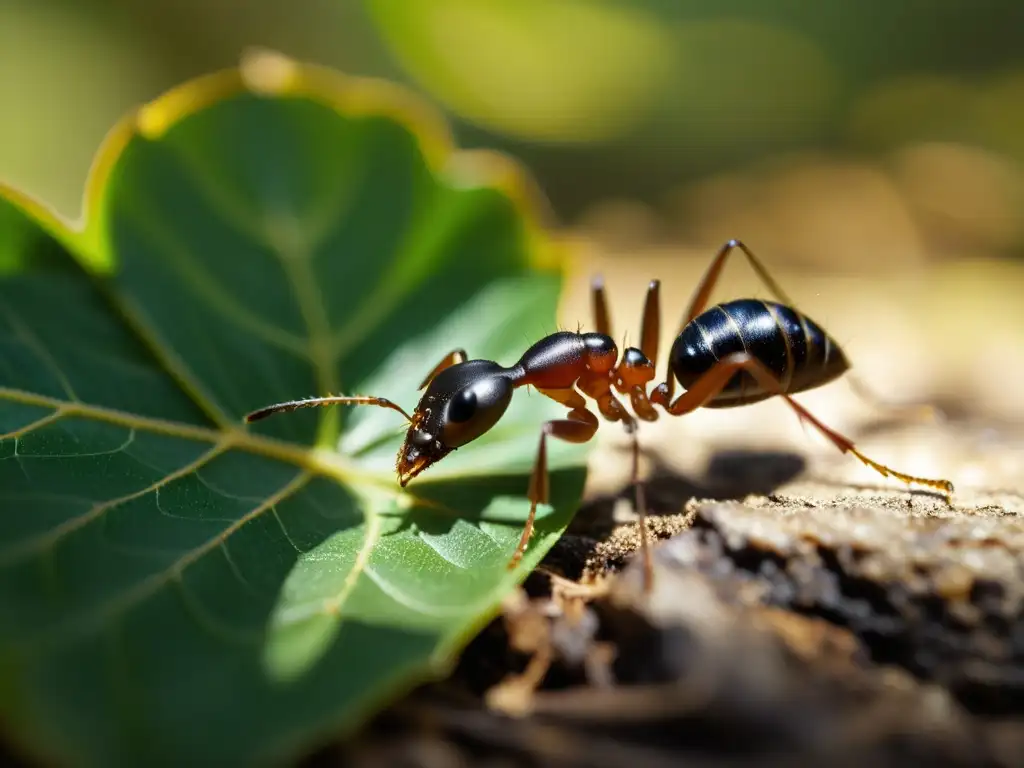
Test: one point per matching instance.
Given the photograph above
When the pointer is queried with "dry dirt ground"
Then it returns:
(805, 609)
(810, 623)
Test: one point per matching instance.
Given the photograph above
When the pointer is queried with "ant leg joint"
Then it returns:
(661, 395)
(578, 428)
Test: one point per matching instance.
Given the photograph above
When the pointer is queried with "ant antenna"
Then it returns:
(320, 402)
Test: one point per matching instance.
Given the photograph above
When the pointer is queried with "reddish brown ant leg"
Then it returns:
(634, 373)
(599, 304)
(637, 368)
(599, 388)
(579, 427)
(640, 501)
(568, 397)
(699, 302)
(597, 385)
(631, 377)
(453, 357)
(702, 294)
(712, 382)
(651, 322)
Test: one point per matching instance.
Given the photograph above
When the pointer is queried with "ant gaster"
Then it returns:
(733, 354)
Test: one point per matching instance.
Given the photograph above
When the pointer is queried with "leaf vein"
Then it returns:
(210, 291)
(35, 344)
(129, 439)
(429, 541)
(233, 566)
(114, 416)
(420, 243)
(133, 596)
(336, 604)
(324, 462)
(210, 485)
(170, 362)
(56, 415)
(37, 544)
(288, 536)
(295, 260)
(402, 597)
(209, 621)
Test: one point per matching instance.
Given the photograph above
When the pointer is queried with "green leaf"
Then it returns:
(177, 587)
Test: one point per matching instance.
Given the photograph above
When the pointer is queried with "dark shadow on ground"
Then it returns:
(729, 476)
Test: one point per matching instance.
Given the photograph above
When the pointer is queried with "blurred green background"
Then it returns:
(851, 132)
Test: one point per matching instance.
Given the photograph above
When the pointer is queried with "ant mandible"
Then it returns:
(732, 354)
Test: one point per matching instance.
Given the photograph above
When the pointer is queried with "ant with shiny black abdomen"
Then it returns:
(732, 354)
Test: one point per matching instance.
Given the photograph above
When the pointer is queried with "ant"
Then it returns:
(729, 355)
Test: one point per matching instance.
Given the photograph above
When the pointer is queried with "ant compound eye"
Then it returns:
(462, 406)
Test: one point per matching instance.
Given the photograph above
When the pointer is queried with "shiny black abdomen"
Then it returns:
(790, 345)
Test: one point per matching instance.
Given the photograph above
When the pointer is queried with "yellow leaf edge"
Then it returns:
(273, 74)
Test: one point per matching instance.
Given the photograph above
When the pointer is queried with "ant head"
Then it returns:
(460, 404)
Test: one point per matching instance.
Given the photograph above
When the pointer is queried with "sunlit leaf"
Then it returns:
(176, 587)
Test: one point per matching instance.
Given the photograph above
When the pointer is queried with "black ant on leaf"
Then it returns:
(733, 354)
